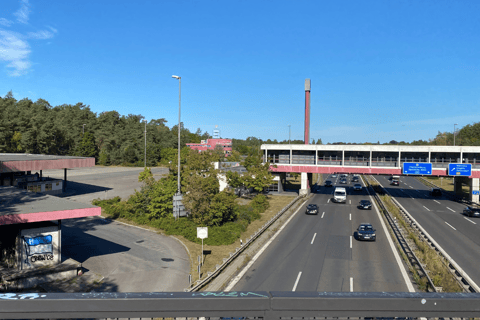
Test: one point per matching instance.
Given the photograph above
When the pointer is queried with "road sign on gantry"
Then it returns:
(459, 169)
(417, 168)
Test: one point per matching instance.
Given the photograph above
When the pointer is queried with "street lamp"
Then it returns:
(454, 133)
(145, 143)
(179, 108)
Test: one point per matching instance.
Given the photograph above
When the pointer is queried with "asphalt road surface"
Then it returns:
(319, 252)
(129, 258)
(442, 218)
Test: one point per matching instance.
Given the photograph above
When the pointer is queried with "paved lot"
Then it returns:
(130, 259)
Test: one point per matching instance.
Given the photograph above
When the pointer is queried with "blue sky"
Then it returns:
(380, 70)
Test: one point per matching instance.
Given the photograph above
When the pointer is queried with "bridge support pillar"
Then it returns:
(474, 185)
(305, 187)
(457, 185)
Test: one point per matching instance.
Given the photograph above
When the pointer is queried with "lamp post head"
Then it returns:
(176, 77)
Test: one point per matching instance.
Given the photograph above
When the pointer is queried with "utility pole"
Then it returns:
(454, 133)
(145, 143)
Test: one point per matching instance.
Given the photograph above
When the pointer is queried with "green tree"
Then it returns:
(87, 146)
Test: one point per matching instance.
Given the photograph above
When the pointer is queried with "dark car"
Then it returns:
(328, 183)
(395, 183)
(365, 204)
(437, 192)
(355, 179)
(312, 209)
(343, 181)
(365, 231)
(357, 187)
(471, 212)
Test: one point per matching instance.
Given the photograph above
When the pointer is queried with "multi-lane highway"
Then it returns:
(442, 218)
(319, 252)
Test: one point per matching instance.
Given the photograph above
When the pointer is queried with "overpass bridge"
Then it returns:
(372, 159)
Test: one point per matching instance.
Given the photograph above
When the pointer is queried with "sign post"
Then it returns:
(202, 233)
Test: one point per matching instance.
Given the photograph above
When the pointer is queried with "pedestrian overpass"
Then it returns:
(374, 159)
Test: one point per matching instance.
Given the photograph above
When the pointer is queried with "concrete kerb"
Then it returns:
(233, 256)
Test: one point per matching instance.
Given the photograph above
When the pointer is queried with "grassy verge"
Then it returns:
(434, 263)
(446, 183)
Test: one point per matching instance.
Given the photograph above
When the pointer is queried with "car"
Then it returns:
(357, 187)
(471, 211)
(365, 231)
(334, 175)
(436, 192)
(312, 209)
(395, 183)
(340, 195)
(328, 183)
(355, 179)
(365, 205)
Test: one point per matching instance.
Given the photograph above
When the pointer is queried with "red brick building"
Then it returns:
(210, 144)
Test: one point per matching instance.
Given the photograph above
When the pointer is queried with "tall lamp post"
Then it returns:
(145, 162)
(178, 207)
(454, 133)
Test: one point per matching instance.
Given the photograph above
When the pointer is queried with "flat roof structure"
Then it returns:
(20, 206)
(16, 162)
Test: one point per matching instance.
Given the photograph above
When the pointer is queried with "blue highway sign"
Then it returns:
(459, 169)
(417, 168)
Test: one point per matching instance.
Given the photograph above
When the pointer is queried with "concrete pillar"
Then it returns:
(59, 259)
(41, 175)
(305, 188)
(457, 185)
(64, 179)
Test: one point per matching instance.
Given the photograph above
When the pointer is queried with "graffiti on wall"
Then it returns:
(39, 248)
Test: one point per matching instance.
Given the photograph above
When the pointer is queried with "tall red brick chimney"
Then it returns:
(307, 111)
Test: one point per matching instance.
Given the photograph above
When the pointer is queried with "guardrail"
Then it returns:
(461, 276)
(226, 261)
(412, 258)
(239, 305)
(449, 194)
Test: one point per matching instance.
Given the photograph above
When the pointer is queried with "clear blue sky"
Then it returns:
(380, 70)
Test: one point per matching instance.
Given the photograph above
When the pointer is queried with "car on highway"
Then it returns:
(471, 211)
(343, 181)
(312, 209)
(334, 176)
(340, 195)
(328, 183)
(357, 187)
(436, 192)
(365, 205)
(365, 231)
(355, 179)
(395, 183)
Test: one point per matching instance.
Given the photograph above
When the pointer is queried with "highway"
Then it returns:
(319, 253)
(442, 218)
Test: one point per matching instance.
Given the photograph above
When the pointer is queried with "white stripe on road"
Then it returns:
(351, 284)
(296, 282)
(323, 214)
(350, 201)
(350, 242)
(350, 216)
(313, 238)
(450, 225)
(426, 208)
(450, 209)
(436, 201)
(328, 200)
(259, 253)
(411, 187)
(470, 220)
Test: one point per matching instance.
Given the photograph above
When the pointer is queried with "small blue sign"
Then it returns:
(459, 169)
(417, 168)
(475, 192)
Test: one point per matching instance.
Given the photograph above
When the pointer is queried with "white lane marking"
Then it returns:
(450, 209)
(296, 282)
(470, 220)
(350, 242)
(259, 253)
(350, 201)
(426, 208)
(411, 187)
(328, 200)
(351, 284)
(350, 216)
(450, 225)
(436, 201)
(323, 215)
(313, 238)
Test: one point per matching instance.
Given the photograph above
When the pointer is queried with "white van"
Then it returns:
(340, 194)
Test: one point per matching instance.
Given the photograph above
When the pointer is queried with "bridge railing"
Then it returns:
(239, 305)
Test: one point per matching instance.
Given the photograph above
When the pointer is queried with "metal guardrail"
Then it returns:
(238, 251)
(461, 276)
(449, 194)
(412, 258)
(264, 305)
